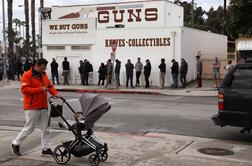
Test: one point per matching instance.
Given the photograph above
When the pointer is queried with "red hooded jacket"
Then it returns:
(31, 87)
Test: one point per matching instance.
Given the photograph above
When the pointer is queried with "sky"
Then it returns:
(18, 12)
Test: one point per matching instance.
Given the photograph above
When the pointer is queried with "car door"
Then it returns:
(238, 94)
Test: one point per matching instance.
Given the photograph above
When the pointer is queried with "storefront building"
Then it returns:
(146, 29)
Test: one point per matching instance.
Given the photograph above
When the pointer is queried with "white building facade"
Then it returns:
(146, 29)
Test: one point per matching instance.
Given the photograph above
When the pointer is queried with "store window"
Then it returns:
(55, 48)
(78, 48)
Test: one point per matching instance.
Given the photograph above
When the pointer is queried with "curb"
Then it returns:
(108, 91)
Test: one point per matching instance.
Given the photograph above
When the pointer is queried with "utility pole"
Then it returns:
(4, 40)
(192, 12)
(224, 16)
(40, 29)
(225, 8)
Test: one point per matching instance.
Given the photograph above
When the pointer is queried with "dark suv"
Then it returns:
(235, 98)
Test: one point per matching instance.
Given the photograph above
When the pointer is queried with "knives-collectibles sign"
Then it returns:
(65, 30)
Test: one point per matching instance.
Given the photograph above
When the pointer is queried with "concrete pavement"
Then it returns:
(191, 90)
(151, 149)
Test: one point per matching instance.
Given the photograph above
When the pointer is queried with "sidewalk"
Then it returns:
(207, 89)
(151, 149)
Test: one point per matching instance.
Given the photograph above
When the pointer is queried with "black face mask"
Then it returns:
(36, 73)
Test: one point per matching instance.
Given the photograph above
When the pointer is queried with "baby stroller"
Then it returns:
(85, 142)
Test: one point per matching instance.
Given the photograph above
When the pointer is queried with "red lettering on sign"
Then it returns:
(151, 14)
(130, 15)
(103, 16)
(115, 14)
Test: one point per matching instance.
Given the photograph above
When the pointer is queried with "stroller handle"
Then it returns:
(56, 97)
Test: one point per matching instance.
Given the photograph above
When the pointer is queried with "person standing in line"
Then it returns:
(54, 71)
(90, 73)
(138, 68)
(229, 66)
(15, 69)
(81, 71)
(129, 73)
(109, 72)
(117, 72)
(20, 70)
(1, 69)
(216, 71)
(183, 72)
(199, 68)
(11, 69)
(147, 72)
(66, 70)
(174, 73)
(102, 74)
(162, 68)
(85, 71)
(28, 64)
(34, 87)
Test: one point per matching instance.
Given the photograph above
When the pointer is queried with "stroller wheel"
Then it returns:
(94, 159)
(103, 155)
(61, 154)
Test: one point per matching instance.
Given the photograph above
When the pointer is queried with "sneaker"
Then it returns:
(47, 152)
(15, 150)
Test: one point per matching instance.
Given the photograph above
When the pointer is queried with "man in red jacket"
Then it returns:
(34, 87)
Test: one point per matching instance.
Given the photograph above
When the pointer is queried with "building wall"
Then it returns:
(174, 15)
(157, 13)
(168, 28)
(210, 45)
(153, 53)
(101, 51)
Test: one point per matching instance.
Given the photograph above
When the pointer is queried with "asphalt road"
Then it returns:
(138, 114)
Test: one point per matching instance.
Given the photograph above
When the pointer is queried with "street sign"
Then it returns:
(46, 13)
(114, 45)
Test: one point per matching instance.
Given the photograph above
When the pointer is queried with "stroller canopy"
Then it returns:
(93, 107)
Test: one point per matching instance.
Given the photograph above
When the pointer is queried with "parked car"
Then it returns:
(235, 98)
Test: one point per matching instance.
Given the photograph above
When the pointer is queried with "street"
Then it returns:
(138, 114)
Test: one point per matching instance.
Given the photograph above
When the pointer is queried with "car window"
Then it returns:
(242, 79)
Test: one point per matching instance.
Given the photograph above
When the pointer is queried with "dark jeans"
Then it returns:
(138, 74)
(174, 80)
(65, 75)
(199, 80)
(101, 81)
(129, 77)
(147, 85)
(183, 80)
(10, 75)
(85, 78)
(81, 79)
(55, 75)
(108, 79)
(1, 76)
(19, 75)
(117, 78)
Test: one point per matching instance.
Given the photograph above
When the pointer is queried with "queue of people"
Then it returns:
(15, 69)
(106, 71)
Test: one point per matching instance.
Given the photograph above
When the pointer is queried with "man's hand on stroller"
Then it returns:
(61, 97)
(45, 89)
